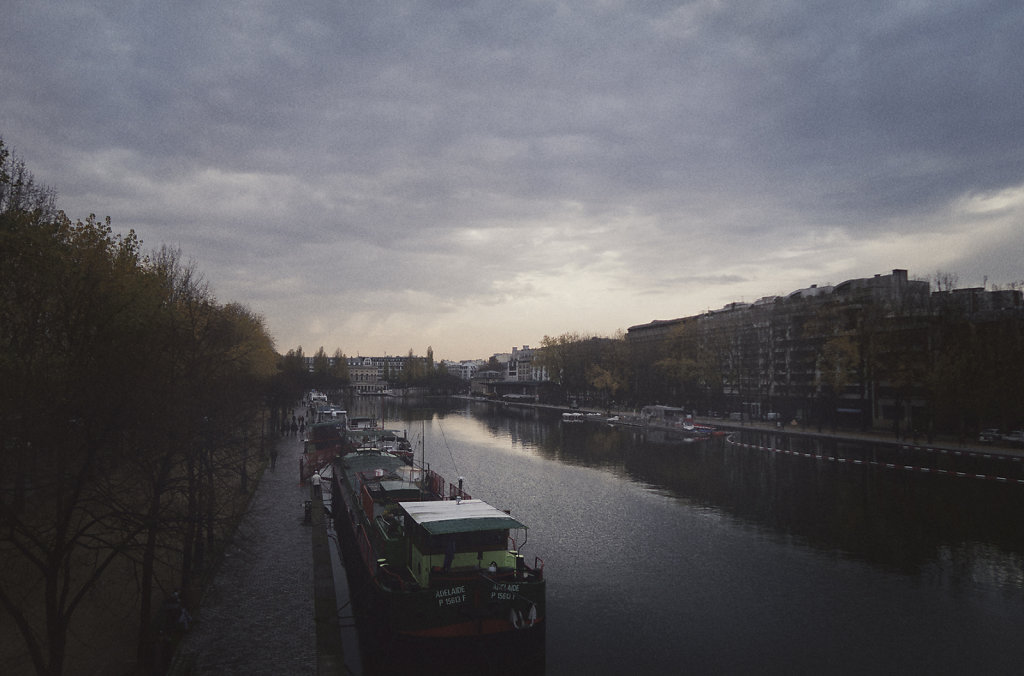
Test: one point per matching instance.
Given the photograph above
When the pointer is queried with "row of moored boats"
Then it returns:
(428, 565)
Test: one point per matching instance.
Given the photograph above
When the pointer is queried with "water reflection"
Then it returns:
(718, 557)
(901, 520)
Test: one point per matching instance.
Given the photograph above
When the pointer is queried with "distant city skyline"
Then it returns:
(380, 178)
(932, 285)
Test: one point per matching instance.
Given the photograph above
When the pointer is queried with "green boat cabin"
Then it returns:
(449, 536)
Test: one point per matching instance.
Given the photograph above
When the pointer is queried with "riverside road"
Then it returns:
(257, 616)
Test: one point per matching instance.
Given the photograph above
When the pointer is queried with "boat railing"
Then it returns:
(434, 483)
(521, 572)
(389, 527)
(528, 573)
(391, 578)
(365, 549)
(439, 577)
(456, 492)
(367, 501)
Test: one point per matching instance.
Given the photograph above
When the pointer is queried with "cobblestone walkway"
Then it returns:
(257, 615)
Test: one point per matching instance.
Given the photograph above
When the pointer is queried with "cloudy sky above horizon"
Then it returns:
(470, 176)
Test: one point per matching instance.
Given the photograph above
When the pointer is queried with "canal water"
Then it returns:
(664, 556)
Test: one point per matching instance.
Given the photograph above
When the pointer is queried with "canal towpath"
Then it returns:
(259, 614)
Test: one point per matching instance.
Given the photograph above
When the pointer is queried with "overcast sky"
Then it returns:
(386, 176)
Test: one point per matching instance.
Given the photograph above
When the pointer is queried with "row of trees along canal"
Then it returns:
(331, 373)
(132, 409)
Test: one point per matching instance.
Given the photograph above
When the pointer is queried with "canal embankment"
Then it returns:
(937, 443)
(812, 437)
(272, 607)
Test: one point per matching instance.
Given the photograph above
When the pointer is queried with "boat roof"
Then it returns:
(372, 459)
(359, 463)
(441, 517)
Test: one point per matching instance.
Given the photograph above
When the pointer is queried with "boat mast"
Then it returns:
(423, 455)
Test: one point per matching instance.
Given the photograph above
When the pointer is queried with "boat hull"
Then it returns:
(483, 619)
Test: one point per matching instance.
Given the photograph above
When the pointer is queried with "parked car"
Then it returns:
(1015, 437)
(989, 436)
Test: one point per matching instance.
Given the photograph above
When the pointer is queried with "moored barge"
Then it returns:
(429, 566)
(324, 442)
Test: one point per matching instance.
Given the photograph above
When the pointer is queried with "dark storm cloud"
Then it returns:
(458, 154)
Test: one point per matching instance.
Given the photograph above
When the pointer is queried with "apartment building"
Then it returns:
(853, 353)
